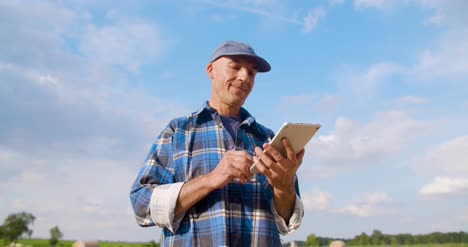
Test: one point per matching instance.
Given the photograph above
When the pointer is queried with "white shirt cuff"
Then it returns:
(294, 221)
(163, 204)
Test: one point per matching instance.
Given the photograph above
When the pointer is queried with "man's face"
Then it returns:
(233, 78)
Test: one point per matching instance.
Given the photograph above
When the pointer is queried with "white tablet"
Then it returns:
(298, 134)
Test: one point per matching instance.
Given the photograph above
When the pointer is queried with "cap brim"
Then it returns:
(262, 64)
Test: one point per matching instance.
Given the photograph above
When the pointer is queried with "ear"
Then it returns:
(209, 71)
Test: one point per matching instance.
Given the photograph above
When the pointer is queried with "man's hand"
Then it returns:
(235, 164)
(280, 172)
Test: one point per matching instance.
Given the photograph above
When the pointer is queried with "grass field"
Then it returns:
(69, 243)
(414, 245)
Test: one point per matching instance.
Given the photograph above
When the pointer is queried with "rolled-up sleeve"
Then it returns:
(163, 206)
(150, 189)
(294, 221)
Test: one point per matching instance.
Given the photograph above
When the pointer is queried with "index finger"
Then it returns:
(241, 153)
(289, 149)
(273, 153)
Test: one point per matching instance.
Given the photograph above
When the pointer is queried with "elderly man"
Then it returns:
(196, 182)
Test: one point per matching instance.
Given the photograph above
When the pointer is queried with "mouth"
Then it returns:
(239, 88)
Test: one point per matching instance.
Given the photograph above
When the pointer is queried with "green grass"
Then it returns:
(44, 243)
(415, 245)
(412, 245)
(69, 243)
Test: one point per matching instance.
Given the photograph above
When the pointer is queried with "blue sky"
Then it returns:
(85, 87)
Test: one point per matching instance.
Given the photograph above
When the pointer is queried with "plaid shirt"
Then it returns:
(236, 215)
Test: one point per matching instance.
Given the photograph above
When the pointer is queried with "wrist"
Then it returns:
(286, 191)
(211, 181)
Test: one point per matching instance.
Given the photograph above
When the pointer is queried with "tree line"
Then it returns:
(378, 238)
(17, 225)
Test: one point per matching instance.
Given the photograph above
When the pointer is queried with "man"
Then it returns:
(196, 182)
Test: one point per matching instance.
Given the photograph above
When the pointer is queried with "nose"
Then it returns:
(243, 75)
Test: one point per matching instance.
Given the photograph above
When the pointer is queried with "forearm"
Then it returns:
(192, 192)
(284, 201)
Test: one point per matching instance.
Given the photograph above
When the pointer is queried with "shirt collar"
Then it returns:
(247, 119)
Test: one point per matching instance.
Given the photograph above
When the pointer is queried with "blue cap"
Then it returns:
(233, 48)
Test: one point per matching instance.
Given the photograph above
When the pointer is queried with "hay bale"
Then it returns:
(337, 243)
(86, 244)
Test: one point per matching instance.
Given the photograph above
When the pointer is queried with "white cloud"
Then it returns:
(446, 61)
(312, 18)
(445, 186)
(359, 210)
(77, 192)
(357, 142)
(354, 144)
(435, 20)
(6, 156)
(295, 105)
(451, 13)
(258, 2)
(53, 15)
(452, 223)
(273, 10)
(316, 200)
(448, 157)
(370, 205)
(364, 84)
(130, 43)
(376, 4)
(18, 205)
(376, 198)
(77, 129)
(374, 75)
(269, 9)
(46, 81)
(296, 101)
(464, 215)
(366, 210)
(328, 103)
(409, 100)
(336, 2)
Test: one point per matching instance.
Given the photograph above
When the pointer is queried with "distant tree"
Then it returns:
(363, 239)
(393, 241)
(408, 239)
(2, 237)
(15, 225)
(376, 237)
(55, 235)
(312, 240)
(464, 237)
(435, 238)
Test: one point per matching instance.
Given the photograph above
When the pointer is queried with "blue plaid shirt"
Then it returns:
(236, 215)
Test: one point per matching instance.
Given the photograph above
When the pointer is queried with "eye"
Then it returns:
(234, 67)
